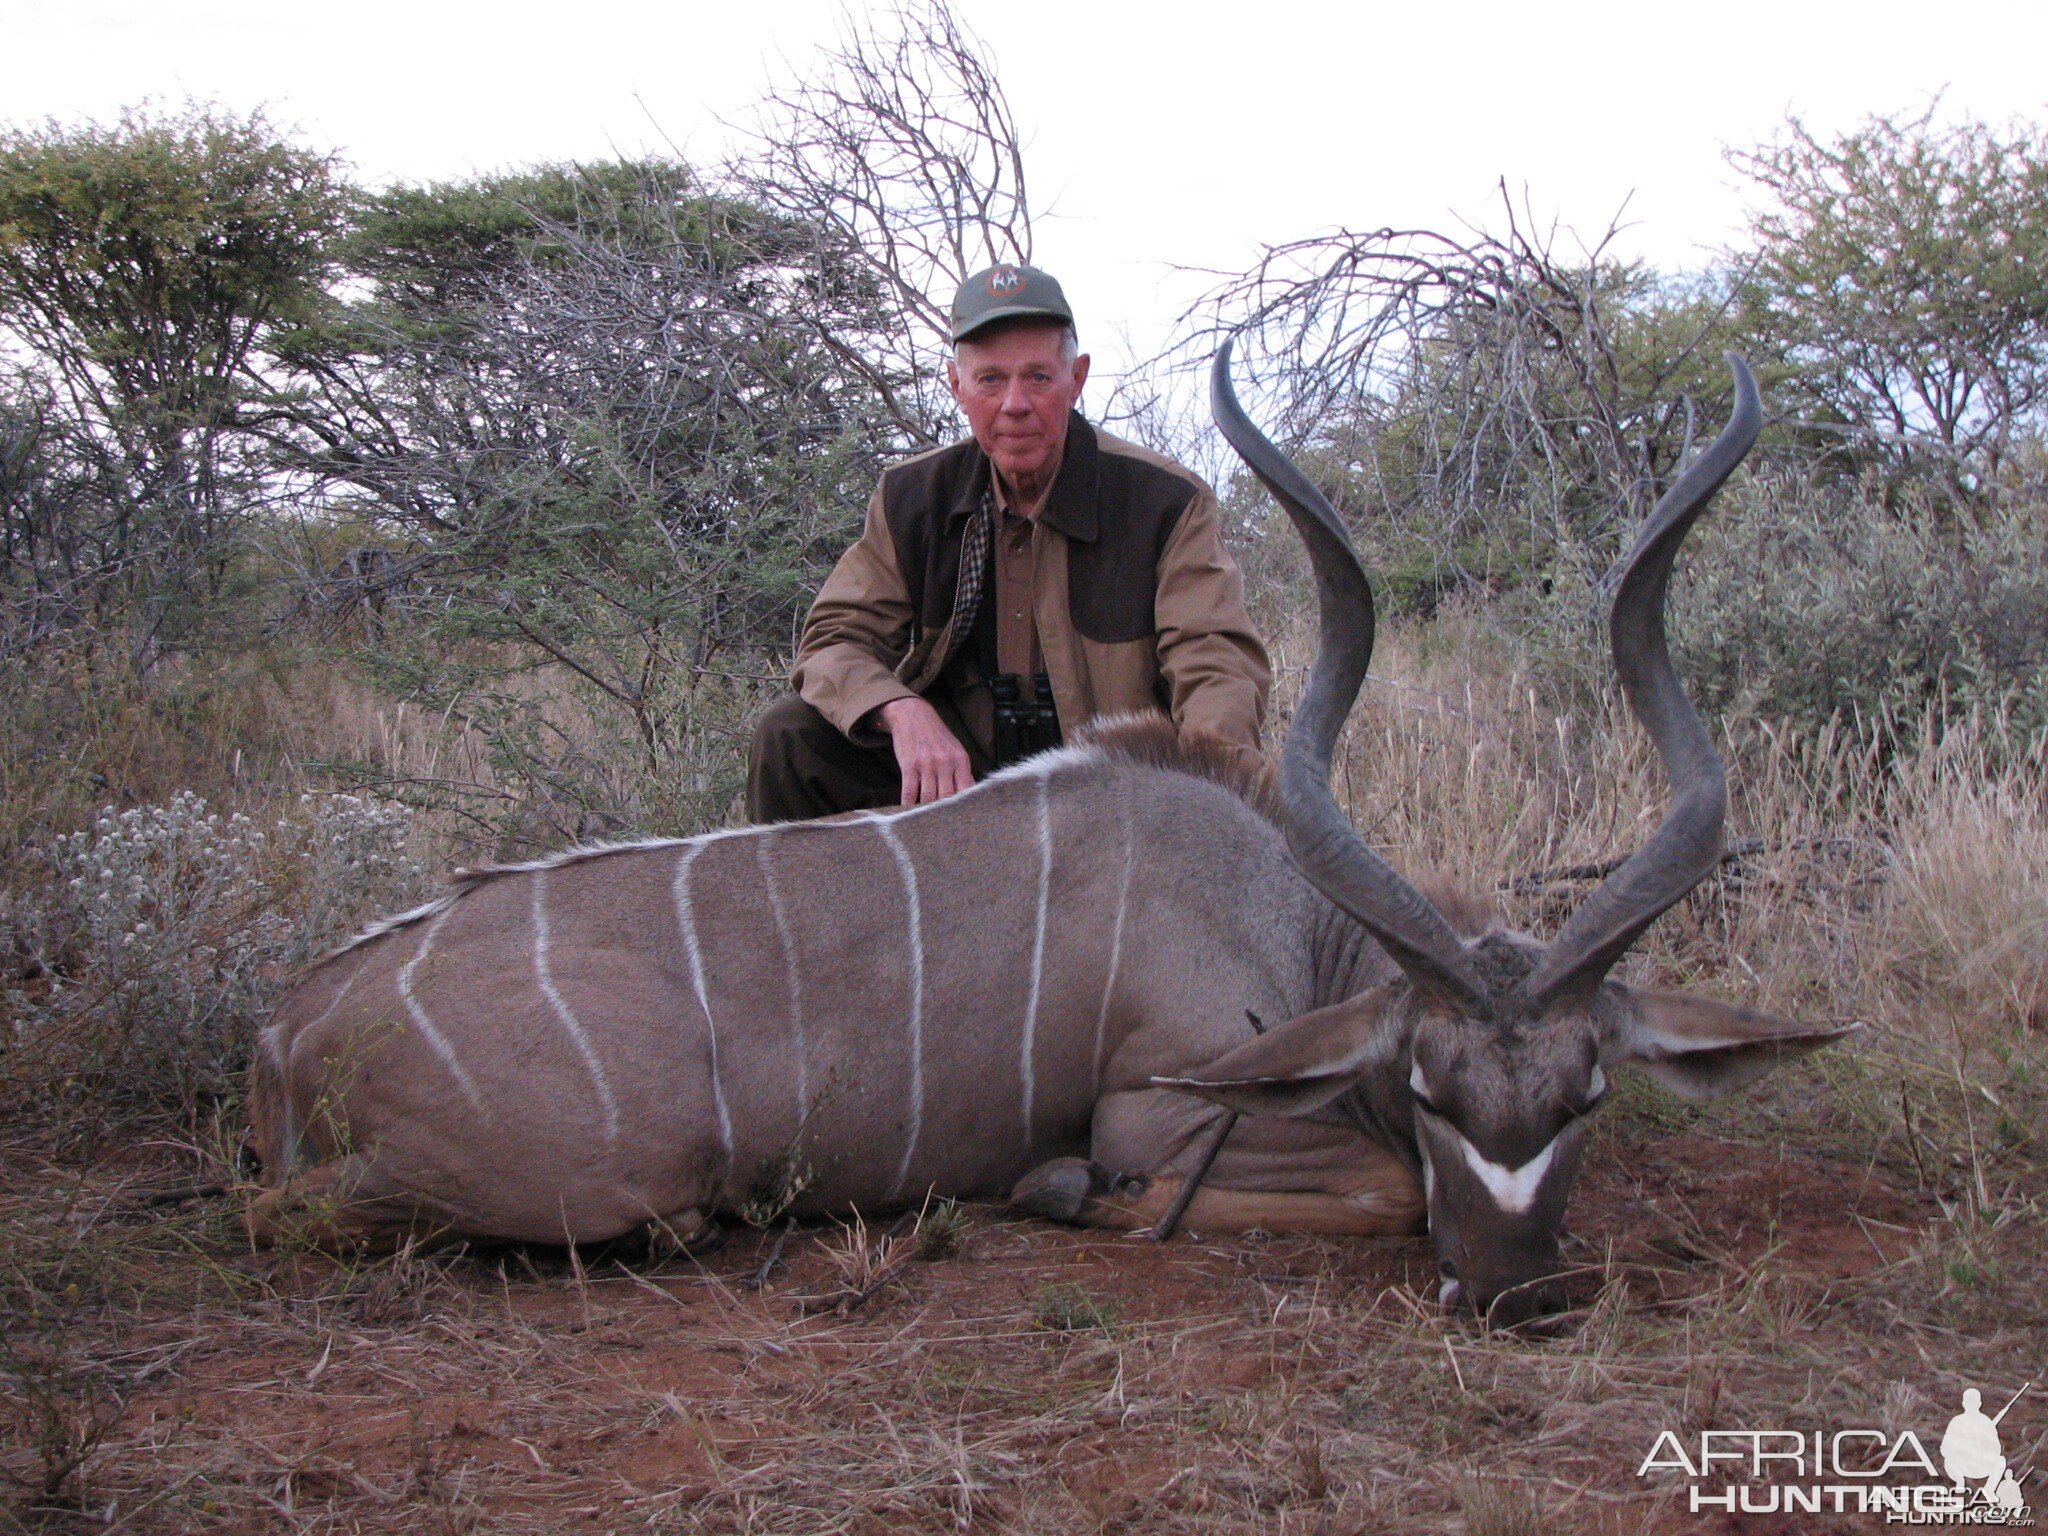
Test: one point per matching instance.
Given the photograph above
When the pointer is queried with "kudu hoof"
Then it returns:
(684, 1234)
(1062, 1189)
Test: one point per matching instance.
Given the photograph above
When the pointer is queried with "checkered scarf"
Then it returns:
(974, 549)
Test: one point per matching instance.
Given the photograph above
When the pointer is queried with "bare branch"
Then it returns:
(1486, 390)
(901, 153)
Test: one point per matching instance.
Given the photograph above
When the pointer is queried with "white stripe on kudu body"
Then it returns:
(569, 1022)
(1116, 936)
(792, 979)
(425, 1025)
(686, 920)
(881, 825)
(1026, 1069)
(311, 1031)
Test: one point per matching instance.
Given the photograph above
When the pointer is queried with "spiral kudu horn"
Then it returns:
(1688, 844)
(1325, 846)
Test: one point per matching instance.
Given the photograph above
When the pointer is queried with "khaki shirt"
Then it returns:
(1138, 606)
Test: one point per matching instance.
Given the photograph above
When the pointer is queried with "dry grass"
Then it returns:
(247, 732)
(1035, 1381)
(1853, 1243)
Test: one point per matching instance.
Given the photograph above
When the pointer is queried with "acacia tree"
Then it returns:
(57, 551)
(401, 388)
(144, 267)
(1901, 274)
(590, 409)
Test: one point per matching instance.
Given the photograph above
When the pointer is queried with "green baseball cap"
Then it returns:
(1007, 291)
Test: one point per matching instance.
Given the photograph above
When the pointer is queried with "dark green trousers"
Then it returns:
(800, 765)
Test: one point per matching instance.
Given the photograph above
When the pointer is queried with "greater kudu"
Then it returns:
(1069, 958)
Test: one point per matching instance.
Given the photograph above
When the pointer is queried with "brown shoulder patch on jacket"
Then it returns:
(1155, 742)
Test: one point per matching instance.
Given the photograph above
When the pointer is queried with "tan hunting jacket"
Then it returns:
(1138, 606)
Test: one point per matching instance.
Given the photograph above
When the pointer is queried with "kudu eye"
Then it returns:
(1420, 1091)
(1596, 1090)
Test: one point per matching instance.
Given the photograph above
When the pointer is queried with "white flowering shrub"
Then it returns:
(166, 931)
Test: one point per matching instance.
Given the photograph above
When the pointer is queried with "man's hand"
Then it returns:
(930, 757)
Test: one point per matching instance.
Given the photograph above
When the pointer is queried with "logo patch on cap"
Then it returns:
(1004, 281)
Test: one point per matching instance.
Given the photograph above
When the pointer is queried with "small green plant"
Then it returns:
(863, 1259)
(53, 1400)
(60, 1409)
(1066, 1308)
(941, 1229)
(778, 1183)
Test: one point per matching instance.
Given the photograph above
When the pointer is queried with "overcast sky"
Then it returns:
(1159, 135)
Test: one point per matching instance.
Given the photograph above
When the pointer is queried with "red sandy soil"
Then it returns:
(1072, 1380)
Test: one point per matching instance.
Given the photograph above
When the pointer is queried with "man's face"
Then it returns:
(1016, 390)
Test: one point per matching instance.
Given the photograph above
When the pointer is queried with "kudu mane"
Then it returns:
(1151, 741)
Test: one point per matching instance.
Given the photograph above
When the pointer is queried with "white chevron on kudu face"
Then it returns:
(568, 1020)
(1514, 1190)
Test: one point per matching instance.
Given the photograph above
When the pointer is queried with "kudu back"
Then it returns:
(1049, 981)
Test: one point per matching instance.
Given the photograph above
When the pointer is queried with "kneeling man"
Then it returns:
(1009, 588)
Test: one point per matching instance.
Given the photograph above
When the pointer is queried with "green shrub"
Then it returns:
(1802, 604)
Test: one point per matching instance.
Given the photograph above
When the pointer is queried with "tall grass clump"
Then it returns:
(548, 758)
(1968, 927)
(160, 934)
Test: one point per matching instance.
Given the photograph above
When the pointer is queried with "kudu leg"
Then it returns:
(345, 1206)
(1169, 1223)
(1214, 1209)
(1281, 1175)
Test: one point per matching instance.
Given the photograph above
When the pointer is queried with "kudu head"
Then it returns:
(1498, 1048)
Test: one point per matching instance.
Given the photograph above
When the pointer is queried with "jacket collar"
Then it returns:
(1071, 504)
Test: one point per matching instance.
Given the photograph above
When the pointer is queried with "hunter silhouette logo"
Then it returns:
(1004, 281)
(1858, 1471)
(1970, 1451)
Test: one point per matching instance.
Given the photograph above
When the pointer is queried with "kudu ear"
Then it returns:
(1298, 1067)
(1700, 1048)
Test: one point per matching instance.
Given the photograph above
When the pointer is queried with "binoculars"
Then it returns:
(1026, 721)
